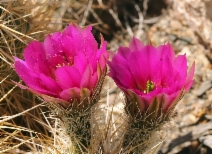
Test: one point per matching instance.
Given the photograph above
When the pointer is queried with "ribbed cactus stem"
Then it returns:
(78, 127)
(142, 125)
(136, 139)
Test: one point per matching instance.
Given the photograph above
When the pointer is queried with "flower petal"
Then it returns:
(166, 50)
(189, 80)
(180, 65)
(68, 77)
(93, 82)
(57, 61)
(50, 84)
(35, 57)
(136, 44)
(143, 65)
(70, 94)
(80, 39)
(80, 62)
(124, 52)
(37, 81)
(85, 81)
(52, 45)
(164, 73)
(170, 101)
(99, 57)
(121, 75)
(25, 73)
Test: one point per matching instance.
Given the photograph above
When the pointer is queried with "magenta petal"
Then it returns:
(36, 81)
(68, 77)
(148, 98)
(170, 100)
(70, 45)
(96, 59)
(124, 52)
(35, 57)
(50, 84)
(56, 45)
(166, 73)
(93, 81)
(136, 44)
(102, 62)
(25, 73)
(51, 47)
(180, 65)
(189, 80)
(35, 89)
(34, 52)
(71, 93)
(112, 72)
(81, 39)
(80, 62)
(121, 75)
(42, 91)
(144, 65)
(89, 38)
(57, 61)
(60, 44)
(119, 59)
(136, 68)
(85, 81)
(166, 50)
(188, 85)
(73, 31)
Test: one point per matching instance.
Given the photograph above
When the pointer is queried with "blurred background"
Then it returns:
(185, 24)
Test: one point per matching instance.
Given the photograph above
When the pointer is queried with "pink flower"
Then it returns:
(153, 77)
(67, 66)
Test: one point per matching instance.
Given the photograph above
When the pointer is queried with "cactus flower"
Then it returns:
(154, 77)
(67, 65)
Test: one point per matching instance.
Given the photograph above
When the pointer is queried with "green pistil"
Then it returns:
(149, 86)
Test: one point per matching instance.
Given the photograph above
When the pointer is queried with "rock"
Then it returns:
(207, 140)
(186, 51)
(204, 87)
(209, 117)
(176, 25)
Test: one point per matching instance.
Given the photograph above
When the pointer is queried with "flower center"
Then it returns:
(149, 86)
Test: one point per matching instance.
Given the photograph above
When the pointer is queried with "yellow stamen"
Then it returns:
(149, 86)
